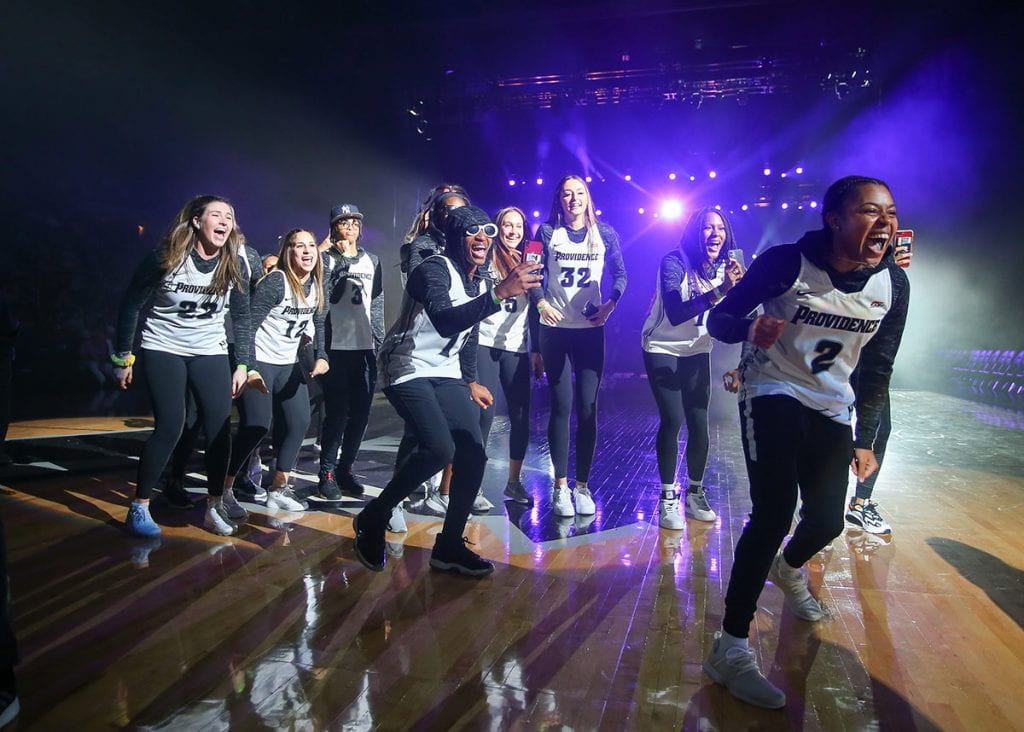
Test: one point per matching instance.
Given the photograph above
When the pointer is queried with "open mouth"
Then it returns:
(877, 243)
(479, 251)
(307, 261)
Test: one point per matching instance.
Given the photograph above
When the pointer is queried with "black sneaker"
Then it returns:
(371, 547)
(245, 489)
(176, 496)
(327, 488)
(456, 555)
(348, 484)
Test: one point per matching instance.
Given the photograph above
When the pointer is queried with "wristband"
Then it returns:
(716, 294)
(541, 307)
(123, 361)
(494, 296)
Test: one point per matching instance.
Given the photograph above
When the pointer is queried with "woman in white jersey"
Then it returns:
(831, 303)
(427, 364)
(193, 276)
(580, 254)
(677, 355)
(286, 305)
(503, 359)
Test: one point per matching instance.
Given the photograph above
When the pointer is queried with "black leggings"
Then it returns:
(681, 386)
(208, 380)
(446, 426)
(581, 352)
(787, 446)
(348, 394)
(512, 371)
(288, 405)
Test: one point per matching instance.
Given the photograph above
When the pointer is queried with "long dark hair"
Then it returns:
(692, 246)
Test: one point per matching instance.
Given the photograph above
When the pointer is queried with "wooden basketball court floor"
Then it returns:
(598, 624)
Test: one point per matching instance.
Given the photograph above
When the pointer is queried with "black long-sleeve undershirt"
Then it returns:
(269, 293)
(429, 285)
(614, 267)
(775, 271)
(672, 273)
(147, 278)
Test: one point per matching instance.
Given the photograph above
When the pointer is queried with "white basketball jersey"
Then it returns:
(506, 329)
(278, 337)
(690, 337)
(413, 349)
(821, 343)
(187, 316)
(574, 275)
(350, 307)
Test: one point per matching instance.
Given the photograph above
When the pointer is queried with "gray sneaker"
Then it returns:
(794, 586)
(516, 491)
(697, 506)
(736, 670)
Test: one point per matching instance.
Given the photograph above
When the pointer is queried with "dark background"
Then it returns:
(116, 113)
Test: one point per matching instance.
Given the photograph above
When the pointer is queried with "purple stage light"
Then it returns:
(640, 210)
(712, 174)
(767, 171)
(628, 177)
(814, 204)
(672, 209)
(744, 207)
(536, 214)
(540, 181)
(799, 171)
(511, 181)
(588, 179)
(718, 207)
(671, 176)
(785, 206)
(598, 212)
(782, 175)
(693, 177)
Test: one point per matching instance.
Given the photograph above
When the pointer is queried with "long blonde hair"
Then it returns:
(284, 263)
(589, 216)
(183, 237)
(503, 258)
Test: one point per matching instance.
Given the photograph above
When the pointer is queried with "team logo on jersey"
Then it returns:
(877, 304)
(835, 322)
(804, 293)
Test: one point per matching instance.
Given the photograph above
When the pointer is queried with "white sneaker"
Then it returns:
(736, 669)
(561, 502)
(396, 524)
(794, 586)
(218, 521)
(697, 506)
(481, 504)
(584, 501)
(231, 505)
(670, 512)
(285, 500)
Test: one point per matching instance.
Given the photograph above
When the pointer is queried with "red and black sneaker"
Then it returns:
(327, 488)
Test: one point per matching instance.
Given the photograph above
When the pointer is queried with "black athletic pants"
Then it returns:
(8, 643)
(170, 378)
(867, 487)
(789, 448)
(512, 371)
(348, 394)
(446, 426)
(681, 386)
(287, 404)
(568, 353)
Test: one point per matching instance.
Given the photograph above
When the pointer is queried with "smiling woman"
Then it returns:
(189, 279)
(832, 303)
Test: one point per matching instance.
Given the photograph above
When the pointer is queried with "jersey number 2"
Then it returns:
(189, 307)
(827, 352)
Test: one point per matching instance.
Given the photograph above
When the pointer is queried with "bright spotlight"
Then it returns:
(767, 171)
(693, 177)
(598, 212)
(671, 176)
(718, 207)
(589, 179)
(785, 206)
(712, 174)
(799, 171)
(744, 207)
(536, 214)
(628, 177)
(782, 175)
(672, 209)
(640, 210)
(511, 181)
(540, 181)
(814, 204)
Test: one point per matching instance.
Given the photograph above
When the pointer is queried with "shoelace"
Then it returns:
(741, 659)
(701, 500)
(871, 512)
(672, 506)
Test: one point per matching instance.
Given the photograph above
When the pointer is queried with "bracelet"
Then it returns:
(494, 296)
(716, 294)
(123, 361)
(541, 307)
